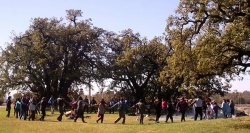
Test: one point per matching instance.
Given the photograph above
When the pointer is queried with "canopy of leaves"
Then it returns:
(51, 55)
(210, 39)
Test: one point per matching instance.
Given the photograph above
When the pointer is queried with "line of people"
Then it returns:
(28, 107)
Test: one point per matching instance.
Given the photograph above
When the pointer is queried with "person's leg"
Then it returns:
(25, 114)
(102, 117)
(216, 114)
(183, 116)
(43, 115)
(156, 117)
(16, 113)
(171, 117)
(59, 118)
(167, 117)
(196, 113)
(30, 115)
(200, 110)
(21, 114)
(141, 118)
(7, 115)
(33, 113)
(52, 107)
(76, 118)
(124, 118)
(120, 115)
(77, 115)
(117, 119)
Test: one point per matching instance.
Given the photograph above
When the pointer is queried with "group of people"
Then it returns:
(26, 107)
(203, 107)
(208, 109)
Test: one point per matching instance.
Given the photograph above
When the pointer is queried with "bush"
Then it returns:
(1, 102)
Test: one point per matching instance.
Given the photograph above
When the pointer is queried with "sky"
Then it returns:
(148, 17)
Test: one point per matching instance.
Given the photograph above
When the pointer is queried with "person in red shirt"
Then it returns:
(163, 103)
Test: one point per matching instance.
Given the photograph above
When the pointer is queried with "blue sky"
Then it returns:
(148, 17)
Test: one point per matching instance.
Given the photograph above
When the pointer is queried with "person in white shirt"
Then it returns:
(198, 107)
(32, 107)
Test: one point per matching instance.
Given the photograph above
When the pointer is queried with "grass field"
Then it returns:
(51, 125)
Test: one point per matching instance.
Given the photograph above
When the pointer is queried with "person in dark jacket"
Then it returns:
(60, 104)
(170, 110)
(79, 109)
(86, 106)
(121, 111)
(43, 104)
(8, 106)
(182, 106)
(140, 106)
(24, 108)
(158, 109)
(93, 104)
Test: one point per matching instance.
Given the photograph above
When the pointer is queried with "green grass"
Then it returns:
(50, 125)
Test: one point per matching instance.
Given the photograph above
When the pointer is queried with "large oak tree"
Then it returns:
(211, 41)
(52, 55)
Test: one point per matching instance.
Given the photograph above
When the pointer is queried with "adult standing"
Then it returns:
(93, 105)
(225, 108)
(182, 106)
(204, 109)
(24, 108)
(43, 104)
(231, 104)
(8, 106)
(101, 111)
(198, 102)
(158, 109)
(60, 107)
(86, 105)
(18, 107)
(111, 103)
(216, 110)
(164, 105)
(52, 104)
(121, 111)
(141, 110)
(170, 111)
(32, 107)
(79, 109)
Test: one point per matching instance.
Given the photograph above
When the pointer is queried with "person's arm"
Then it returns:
(193, 103)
